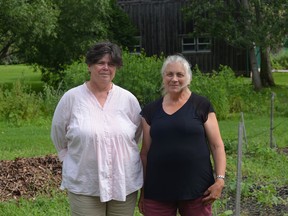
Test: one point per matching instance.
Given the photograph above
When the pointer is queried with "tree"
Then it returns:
(121, 28)
(246, 24)
(80, 23)
(24, 22)
(53, 33)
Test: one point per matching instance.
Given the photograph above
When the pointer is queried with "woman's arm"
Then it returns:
(146, 143)
(219, 157)
(59, 129)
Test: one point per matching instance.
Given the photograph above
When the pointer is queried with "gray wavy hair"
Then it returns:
(181, 59)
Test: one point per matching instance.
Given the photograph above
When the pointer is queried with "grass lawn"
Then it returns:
(11, 73)
(29, 140)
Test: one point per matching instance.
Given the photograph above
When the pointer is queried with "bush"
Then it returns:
(228, 93)
(140, 75)
(213, 87)
(50, 98)
(19, 104)
(280, 60)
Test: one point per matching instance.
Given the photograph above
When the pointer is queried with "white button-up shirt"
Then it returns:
(98, 145)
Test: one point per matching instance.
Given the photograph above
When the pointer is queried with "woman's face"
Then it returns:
(175, 78)
(102, 72)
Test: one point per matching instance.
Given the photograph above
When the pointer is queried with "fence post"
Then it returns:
(239, 171)
(271, 121)
(244, 130)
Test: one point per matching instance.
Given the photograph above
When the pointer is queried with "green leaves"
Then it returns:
(22, 23)
(261, 22)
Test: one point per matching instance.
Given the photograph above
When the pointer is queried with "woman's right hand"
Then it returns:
(141, 203)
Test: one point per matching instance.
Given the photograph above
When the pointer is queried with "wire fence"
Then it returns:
(272, 197)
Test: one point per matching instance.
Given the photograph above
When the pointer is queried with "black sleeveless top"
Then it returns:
(178, 161)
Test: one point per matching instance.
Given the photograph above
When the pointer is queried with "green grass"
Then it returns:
(11, 73)
(281, 78)
(28, 141)
(54, 205)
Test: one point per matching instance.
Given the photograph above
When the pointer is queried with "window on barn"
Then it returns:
(196, 44)
(136, 48)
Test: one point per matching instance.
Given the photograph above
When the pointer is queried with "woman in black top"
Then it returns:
(179, 130)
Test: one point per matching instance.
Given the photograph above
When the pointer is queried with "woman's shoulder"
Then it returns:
(124, 93)
(153, 104)
(73, 92)
(202, 105)
(198, 99)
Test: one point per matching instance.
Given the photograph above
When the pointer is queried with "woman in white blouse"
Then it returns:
(95, 129)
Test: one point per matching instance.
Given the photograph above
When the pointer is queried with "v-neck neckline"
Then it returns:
(176, 111)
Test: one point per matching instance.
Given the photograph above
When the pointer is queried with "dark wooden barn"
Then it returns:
(162, 29)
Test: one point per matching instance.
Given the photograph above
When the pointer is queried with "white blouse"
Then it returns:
(99, 145)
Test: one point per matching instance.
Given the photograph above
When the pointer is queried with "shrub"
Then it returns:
(213, 86)
(19, 104)
(50, 98)
(140, 75)
(280, 60)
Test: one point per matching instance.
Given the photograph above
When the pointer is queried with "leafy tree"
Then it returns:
(54, 33)
(24, 22)
(80, 23)
(121, 28)
(246, 24)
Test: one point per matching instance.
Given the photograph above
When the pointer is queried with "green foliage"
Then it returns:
(72, 38)
(75, 74)
(280, 60)
(141, 75)
(19, 104)
(213, 86)
(227, 92)
(239, 24)
(23, 24)
(50, 98)
(121, 29)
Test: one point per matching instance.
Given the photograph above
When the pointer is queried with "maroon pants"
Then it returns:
(169, 208)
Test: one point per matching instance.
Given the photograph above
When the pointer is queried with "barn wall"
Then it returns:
(160, 25)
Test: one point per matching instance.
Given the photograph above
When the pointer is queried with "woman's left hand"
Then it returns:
(213, 192)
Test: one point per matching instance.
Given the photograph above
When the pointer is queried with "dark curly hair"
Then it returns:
(97, 51)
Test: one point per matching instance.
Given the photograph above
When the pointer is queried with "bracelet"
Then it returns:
(220, 177)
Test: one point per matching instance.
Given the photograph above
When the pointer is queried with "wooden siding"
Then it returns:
(161, 27)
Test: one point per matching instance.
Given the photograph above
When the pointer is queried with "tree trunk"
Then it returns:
(256, 81)
(266, 69)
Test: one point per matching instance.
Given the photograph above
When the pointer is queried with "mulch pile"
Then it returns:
(27, 177)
